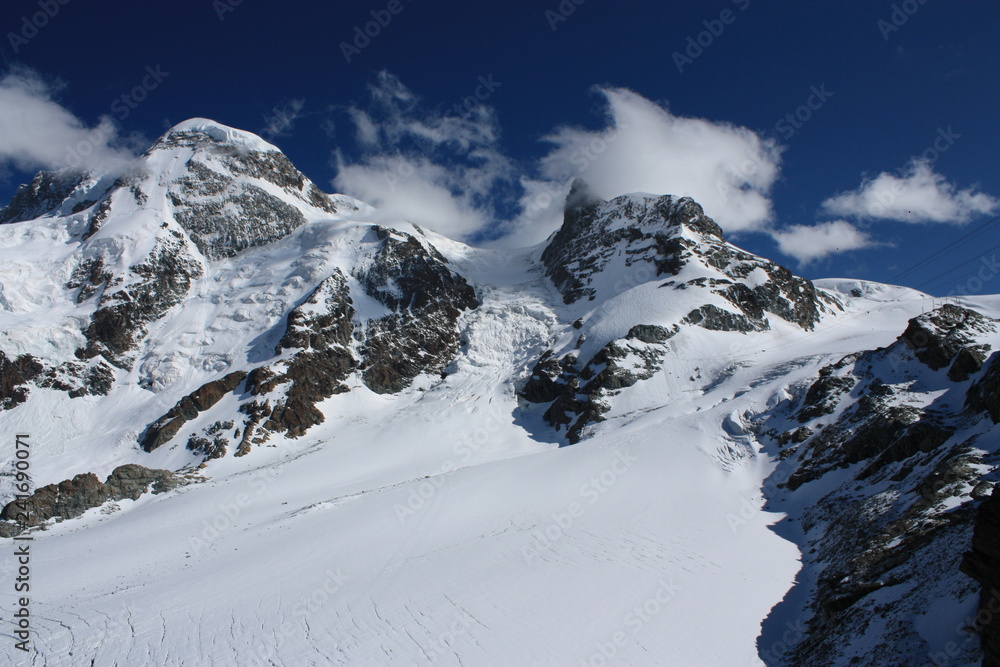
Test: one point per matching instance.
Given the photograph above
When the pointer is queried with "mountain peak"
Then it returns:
(580, 195)
(197, 130)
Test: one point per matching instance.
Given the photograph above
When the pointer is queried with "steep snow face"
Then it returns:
(367, 427)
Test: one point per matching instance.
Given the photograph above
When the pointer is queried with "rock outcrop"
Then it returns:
(45, 194)
(577, 395)
(426, 299)
(320, 332)
(149, 290)
(71, 498)
(982, 563)
(663, 235)
(872, 444)
(937, 337)
(169, 425)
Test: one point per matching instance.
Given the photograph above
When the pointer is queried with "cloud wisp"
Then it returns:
(728, 169)
(918, 194)
(809, 243)
(447, 169)
(438, 168)
(282, 118)
(37, 132)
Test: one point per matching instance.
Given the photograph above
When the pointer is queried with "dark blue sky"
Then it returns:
(892, 91)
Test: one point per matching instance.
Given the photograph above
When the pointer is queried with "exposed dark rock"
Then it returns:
(936, 337)
(97, 218)
(89, 277)
(256, 411)
(222, 211)
(546, 381)
(211, 449)
(968, 361)
(94, 378)
(891, 493)
(169, 425)
(879, 429)
(156, 285)
(714, 318)
(71, 498)
(421, 335)
(321, 329)
(131, 481)
(650, 333)
(44, 194)
(984, 394)
(796, 436)
(649, 232)
(238, 217)
(587, 240)
(218, 427)
(982, 563)
(76, 378)
(824, 394)
(14, 378)
(577, 395)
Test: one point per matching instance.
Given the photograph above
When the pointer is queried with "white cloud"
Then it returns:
(415, 189)
(807, 243)
(919, 194)
(367, 131)
(440, 169)
(728, 169)
(282, 118)
(37, 132)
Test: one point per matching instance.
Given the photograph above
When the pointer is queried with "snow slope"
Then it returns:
(444, 524)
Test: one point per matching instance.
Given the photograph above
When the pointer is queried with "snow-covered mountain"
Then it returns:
(265, 431)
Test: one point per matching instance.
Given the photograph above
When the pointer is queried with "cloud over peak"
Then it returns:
(728, 169)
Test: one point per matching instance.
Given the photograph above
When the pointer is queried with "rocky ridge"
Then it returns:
(647, 238)
(888, 469)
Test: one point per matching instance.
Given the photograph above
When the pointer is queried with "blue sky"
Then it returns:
(805, 129)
